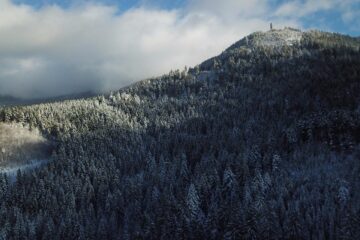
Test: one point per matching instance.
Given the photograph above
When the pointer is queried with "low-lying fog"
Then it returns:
(21, 147)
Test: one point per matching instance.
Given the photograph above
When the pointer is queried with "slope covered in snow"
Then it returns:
(272, 38)
(287, 36)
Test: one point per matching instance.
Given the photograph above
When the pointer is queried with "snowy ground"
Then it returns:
(279, 38)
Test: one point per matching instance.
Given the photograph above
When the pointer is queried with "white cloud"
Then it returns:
(343, 12)
(348, 10)
(229, 9)
(300, 8)
(53, 51)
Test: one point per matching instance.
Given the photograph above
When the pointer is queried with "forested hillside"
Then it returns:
(260, 142)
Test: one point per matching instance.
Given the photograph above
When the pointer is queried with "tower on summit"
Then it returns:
(271, 26)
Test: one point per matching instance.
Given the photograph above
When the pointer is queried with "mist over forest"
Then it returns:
(20, 145)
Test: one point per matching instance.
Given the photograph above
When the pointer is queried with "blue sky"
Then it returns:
(57, 47)
(328, 19)
(121, 4)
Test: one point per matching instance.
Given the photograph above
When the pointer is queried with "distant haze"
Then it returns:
(52, 51)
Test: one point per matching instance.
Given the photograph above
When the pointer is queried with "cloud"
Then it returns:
(52, 51)
(346, 11)
(301, 8)
(231, 9)
(350, 12)
(330, 15)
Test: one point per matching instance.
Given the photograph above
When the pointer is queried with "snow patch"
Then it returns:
(278, 38)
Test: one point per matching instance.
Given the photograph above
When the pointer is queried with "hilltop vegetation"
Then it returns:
(260, 142)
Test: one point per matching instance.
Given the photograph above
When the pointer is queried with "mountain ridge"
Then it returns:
(278, 39)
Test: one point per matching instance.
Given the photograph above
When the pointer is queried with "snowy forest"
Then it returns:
(260, 142)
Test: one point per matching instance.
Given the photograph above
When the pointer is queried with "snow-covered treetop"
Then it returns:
(286, 36)
(276, 37)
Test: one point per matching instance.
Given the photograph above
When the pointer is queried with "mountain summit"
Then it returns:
(291, 36)
(273, 38)
(260, 142)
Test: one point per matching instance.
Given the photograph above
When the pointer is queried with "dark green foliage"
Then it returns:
(261, 142)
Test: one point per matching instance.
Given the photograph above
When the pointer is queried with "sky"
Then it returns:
(58, 47)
